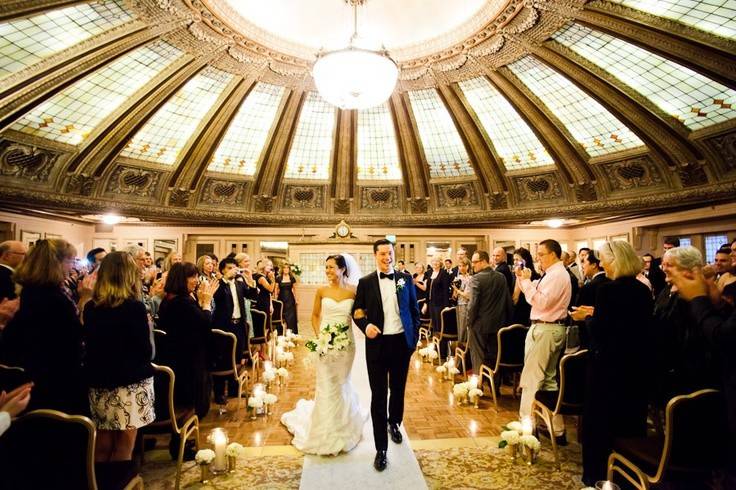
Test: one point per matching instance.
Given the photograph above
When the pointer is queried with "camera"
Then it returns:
(519, 264)
(457, 282)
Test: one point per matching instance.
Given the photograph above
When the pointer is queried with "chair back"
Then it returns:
(510, 353)
(448, 323)
(277, 316)
(48, 449)
(12, 377)
(687, 443)
(163, 386)
(260, 324)
(223, 353)
(573, 368)
(161, 344)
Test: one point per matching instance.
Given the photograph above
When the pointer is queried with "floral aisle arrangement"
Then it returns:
(233, 452)
(517, 436)
(204, 458)
(448, 369)
(332, 339)
(429, 354)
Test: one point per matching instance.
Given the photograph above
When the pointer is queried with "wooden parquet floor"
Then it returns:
(430, 411)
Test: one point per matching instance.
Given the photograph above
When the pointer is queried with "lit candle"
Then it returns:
(526, 426)
(607, 485)
(258, 390)
(219, 440)
(473, 381)
(268, 365)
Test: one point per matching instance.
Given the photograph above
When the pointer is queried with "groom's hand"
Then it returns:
(372, 331)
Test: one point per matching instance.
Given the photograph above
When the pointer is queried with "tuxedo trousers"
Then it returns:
(388, 372)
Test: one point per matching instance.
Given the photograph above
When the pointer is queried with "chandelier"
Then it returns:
(355, 77)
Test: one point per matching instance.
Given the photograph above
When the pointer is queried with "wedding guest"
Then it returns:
(12, 254)
(500, 265)
(619, 324)
(286, 293)
(489, 309)
(245, 276)
(720, 330)
(549, 298)
(45, 335)
(94, 258)
(522, 309)
(118, 358)
(266, 283)
(206, 267)
(653, 272)
(12, 404)
(461, 294)
(439, 293)
(418, 277)
(186, 320)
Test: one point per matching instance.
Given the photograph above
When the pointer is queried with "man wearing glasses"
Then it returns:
(12, 254)
(549, 298)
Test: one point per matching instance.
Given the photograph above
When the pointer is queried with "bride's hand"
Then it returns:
(372, 331)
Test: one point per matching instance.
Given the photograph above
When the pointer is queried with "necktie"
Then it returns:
(381, 275)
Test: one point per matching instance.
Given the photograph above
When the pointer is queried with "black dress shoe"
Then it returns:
(380, 462)
(220, 400)
(393, 429)
(561, 440)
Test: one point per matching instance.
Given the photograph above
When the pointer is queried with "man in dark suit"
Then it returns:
(12, 254)
(229, 315)
(499, 259)
(385, 309)
(489, 309)
(595, 276)
(654, 273)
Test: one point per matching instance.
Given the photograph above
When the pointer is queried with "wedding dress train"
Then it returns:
(333, 421)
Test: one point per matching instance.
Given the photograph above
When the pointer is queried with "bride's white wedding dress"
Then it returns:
(332, 422)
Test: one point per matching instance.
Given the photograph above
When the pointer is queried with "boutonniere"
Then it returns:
(400, 284)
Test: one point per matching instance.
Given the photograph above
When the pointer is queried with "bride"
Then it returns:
(332, 422)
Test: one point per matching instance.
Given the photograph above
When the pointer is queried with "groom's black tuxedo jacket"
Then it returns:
(368, 308)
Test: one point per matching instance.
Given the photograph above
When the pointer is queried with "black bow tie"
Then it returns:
(381, 275)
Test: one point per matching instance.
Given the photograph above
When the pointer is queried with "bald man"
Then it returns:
(12, 254)
(499, 260)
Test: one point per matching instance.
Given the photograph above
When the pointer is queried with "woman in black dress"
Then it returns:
(45, 335)
(438, 295)
(522, 308)
(287, 294)
(186, 320)
(616, 390)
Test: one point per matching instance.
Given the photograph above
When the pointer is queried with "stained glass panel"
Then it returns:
(240, 149)
(596, 129)
(378, 155)
(311, 150)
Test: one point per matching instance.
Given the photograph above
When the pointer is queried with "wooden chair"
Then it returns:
(51, 449)
(260, 323)
(568, 399)
(694, 443)
(448, 330)
(182, 421)
(509, 357)
(225, 351)
(277, 317)
(460, 352)
(159, 341)
(12, 377)
(424, 328)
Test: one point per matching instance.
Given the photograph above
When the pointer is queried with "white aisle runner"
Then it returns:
(356, 467)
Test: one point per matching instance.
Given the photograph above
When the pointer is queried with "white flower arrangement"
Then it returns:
(441, 369)
(461, 389)
(331, 338)
(289, 356)
(204, 456)
(290, 345)
(400, 284)
(255, 402)
(515, 425)
(433, 354)
(281, 340)
(510, 437)
(234, 450)
(453, 370)
(269, 375)
(270, 399)
(531, 442)
(282, 372)
(475, 392)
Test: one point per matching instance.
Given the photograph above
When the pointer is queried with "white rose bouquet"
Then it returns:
(204, 456)
(234, 450)
(333, 338)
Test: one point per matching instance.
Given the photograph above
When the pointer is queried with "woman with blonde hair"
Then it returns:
(118, 358)
(619, 331)
(45, 335)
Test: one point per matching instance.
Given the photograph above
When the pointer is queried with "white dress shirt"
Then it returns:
(236, 303)
(391, 319)
(4, 421)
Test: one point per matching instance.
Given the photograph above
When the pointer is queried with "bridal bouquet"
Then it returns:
(331, 338)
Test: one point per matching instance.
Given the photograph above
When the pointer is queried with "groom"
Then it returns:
(386, 310)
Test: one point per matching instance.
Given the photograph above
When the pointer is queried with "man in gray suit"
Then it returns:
(489, 309)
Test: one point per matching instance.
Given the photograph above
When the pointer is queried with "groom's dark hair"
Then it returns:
(382, 241)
